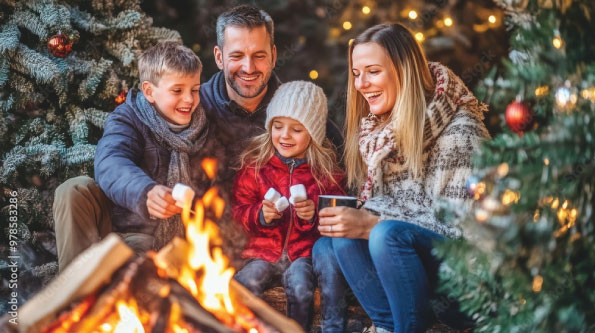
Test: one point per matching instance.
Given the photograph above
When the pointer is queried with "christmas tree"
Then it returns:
(529, 259)
(65, 65)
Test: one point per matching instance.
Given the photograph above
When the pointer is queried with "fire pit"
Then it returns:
(186, 287)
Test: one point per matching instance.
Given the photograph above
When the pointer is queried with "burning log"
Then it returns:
(171, 258)
(78, 280)
(91, 293)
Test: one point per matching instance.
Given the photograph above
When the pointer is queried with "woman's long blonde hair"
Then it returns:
(322, 159)
(414, 85)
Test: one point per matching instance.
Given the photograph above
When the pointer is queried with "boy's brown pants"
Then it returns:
(82, 216)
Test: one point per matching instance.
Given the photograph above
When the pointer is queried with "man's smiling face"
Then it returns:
(247, 60)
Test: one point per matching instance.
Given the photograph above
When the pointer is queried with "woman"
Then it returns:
(412, 127)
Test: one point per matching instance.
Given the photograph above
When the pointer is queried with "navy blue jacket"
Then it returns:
(129, 161)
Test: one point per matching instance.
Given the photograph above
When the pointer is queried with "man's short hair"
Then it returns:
(165, 57)
(244, 16)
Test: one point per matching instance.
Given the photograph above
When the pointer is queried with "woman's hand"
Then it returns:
(346, 222)
(269, 211)
(160, 203)
(305, 209)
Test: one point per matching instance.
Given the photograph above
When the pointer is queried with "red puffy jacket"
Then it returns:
(267, 242)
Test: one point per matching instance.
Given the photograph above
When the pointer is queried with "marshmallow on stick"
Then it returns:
(298, 193)
(182, 193)
(281, 204)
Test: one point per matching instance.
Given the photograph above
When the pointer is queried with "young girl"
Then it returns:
(294, 150)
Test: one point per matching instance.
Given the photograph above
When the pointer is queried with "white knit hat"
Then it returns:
(303, 101)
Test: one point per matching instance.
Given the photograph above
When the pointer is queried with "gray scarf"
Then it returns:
(182, 145)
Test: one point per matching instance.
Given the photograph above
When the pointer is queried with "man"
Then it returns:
(235, 98)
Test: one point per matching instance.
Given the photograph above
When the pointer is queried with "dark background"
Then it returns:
(310, 36)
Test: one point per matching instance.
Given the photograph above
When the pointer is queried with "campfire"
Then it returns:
(186, 287)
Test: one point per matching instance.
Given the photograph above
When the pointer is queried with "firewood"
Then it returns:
(173, 256)
(88, 272)
(263, 310)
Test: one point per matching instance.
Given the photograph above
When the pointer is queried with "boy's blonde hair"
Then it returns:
(167, 57)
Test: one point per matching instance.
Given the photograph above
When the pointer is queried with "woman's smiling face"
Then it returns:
(375, 77)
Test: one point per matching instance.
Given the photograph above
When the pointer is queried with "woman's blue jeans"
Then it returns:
(393, 274)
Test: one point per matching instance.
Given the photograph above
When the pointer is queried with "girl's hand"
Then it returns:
(305, 209)
(160, 203)
(346, 222)
(269, 211)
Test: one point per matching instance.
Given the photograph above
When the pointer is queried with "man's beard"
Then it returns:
(233, 84)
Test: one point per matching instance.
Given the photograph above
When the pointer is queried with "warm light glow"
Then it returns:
(253, 330)
(546, 161)
(557, 41)
(555, 204)
(419, 36)
(536, 216)
(542, 91)
(366, 10)
(537, 283)
(479, 189)
(412, 14)
(209, 165)
(351, 41)
(334, 32)
(313, 74)
(492, 19)
(589, 94)
(502, 169)
(347, 25)
(509, 197)
(481, 215)
(448, 21)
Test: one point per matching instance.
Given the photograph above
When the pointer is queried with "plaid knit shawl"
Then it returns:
(453, 129)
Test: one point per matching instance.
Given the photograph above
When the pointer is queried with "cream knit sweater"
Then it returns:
(453, 130)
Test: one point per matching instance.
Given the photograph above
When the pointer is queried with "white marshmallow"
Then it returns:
(298, 193)
(182, 193)
(281, 204)
(272, 195)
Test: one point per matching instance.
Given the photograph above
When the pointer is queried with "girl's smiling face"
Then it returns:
(290, 137)
(375, 77)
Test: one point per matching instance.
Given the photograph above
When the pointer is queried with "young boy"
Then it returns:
(149, 144)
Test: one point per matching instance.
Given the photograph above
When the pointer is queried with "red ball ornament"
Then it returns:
(121, 98)
(60, 46)
(519, 116)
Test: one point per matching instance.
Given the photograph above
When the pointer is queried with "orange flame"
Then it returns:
(129, 318)
(211, 286)
(209, 165)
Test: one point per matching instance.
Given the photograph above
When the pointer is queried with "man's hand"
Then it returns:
(269, 211)
(305, 209)
(160, 203)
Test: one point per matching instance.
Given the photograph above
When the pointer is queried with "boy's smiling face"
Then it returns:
(175, 96)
